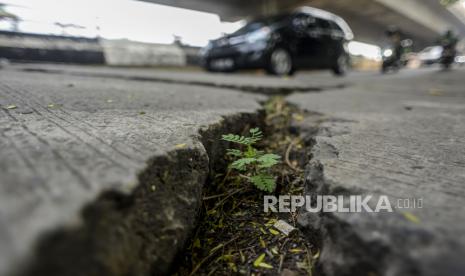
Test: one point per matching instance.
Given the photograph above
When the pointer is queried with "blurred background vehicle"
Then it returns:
(393, 61)
(430, 55)
(308, 38)
(397, 54)
(460, 60)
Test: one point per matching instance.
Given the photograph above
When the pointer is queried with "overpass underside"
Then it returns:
(369, 19)
(422, 20)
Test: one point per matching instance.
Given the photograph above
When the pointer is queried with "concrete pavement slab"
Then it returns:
(82, 156)
(402, 137)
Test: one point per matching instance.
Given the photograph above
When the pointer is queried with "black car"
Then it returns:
(281, 44)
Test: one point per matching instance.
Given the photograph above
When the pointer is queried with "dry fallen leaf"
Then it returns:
(298, 117)
(259, 262)
(411, 217)
(180, 146)
(265, 265)
(274, 232)
(242, 256)
(262, 243)
(317, 255)
(435, 92)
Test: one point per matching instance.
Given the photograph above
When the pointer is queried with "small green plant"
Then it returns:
(253, 164)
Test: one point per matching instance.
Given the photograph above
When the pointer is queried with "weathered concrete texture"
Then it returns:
(129, 151)
(130, 53)
(400, 136)
(245, 82)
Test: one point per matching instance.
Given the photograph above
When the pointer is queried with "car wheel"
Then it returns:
(280, 63)
(342, 65)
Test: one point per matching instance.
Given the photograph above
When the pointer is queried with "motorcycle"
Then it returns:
(395, 58)
(390, 61)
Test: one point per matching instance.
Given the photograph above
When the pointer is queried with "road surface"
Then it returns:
(401, 136)
(104, 162)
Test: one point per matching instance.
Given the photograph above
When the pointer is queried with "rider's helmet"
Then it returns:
(392, 30)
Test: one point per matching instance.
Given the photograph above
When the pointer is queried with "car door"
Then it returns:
(326, 42)
(337, 41)
(308, 43)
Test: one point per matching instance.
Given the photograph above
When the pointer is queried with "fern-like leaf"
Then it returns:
(257, 134)
(264, 182)
(241, 164)
(268, 160)
(238, 139)
(234, 152)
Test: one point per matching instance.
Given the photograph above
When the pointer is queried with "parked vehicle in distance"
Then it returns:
(282, 44)
(430, 55)
(460, 60)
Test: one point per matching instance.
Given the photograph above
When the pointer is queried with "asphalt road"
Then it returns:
(70, 133)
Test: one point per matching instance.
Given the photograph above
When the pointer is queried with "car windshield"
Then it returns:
(259, 23)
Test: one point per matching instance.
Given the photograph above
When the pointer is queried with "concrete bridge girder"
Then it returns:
(422, 20)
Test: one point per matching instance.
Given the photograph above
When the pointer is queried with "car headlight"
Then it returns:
(387, 53)
(258, 35)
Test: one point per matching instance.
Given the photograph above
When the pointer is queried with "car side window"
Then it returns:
(337, 31)
(323, 24)
(335, 26)
(311, 23)
(303, 21)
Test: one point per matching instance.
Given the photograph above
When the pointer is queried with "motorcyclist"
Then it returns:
(395, 39)
(392, 59)
(448, 41)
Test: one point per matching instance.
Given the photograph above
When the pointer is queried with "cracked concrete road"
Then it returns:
(70, 134)
(401, 136)
(65, 139)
